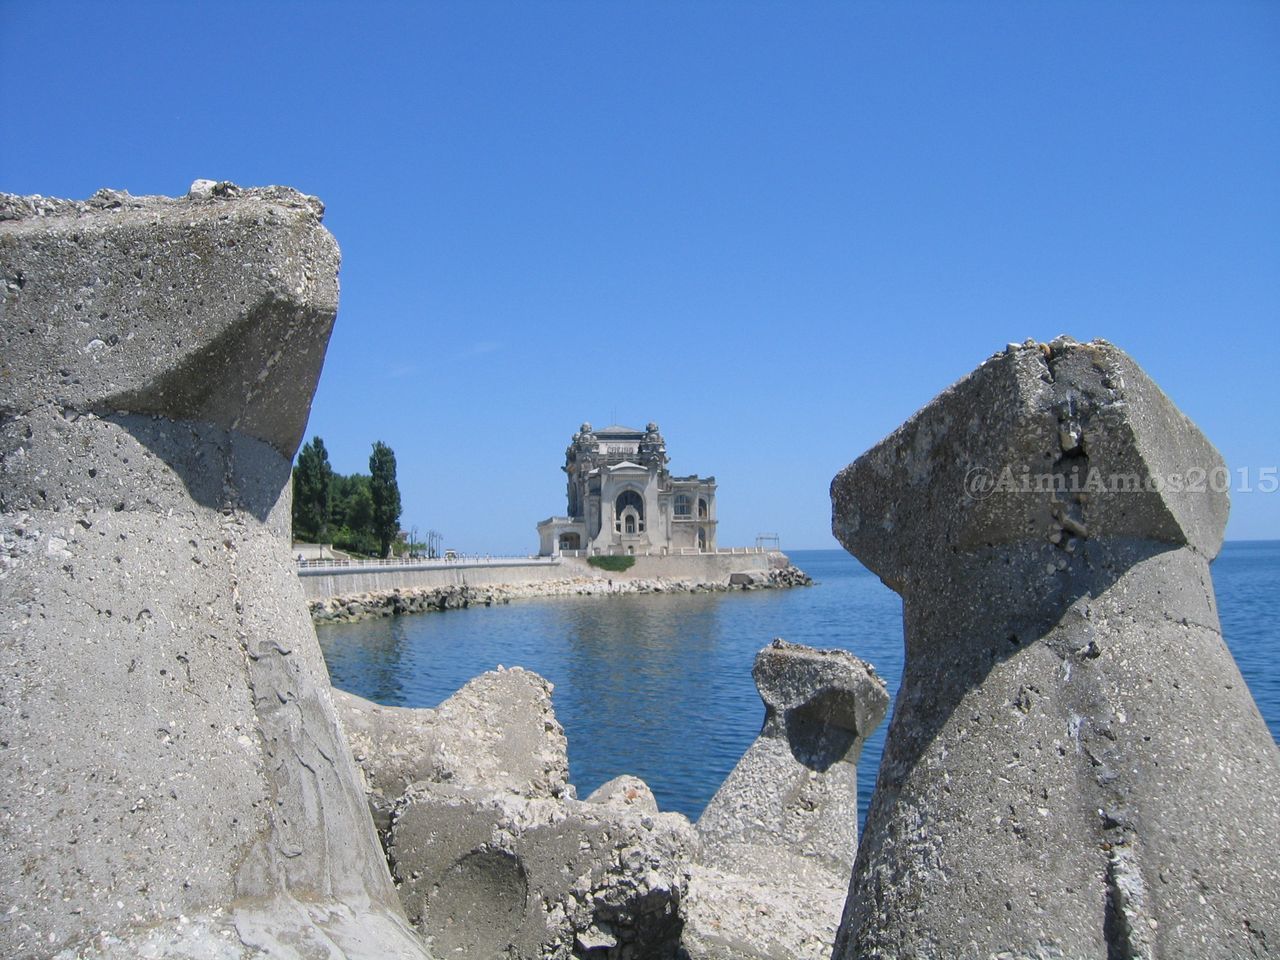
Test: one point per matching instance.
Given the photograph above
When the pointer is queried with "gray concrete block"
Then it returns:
(779, 836)
(788, 912)
(796, 787)
(174, 779)
(1075, 767)
(499, 732)
(626, 791)
(486, 874)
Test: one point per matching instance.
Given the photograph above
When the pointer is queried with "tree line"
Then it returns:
(357, 512)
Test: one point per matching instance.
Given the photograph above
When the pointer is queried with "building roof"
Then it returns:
(620, 432)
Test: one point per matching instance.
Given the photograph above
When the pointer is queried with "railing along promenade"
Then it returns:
(337, 577)
(393, 564)
(682, 552)
(323, 566)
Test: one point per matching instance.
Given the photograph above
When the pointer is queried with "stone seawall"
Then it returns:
(704, 567)
(348, 581)
(395, 602)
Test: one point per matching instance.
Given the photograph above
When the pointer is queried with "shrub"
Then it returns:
(614, 564)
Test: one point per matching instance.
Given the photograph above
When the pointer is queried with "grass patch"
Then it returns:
(614, 564)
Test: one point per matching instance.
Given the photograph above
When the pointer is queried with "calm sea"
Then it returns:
(660, 686)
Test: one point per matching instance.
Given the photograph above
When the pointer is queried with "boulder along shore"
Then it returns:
(348, 608)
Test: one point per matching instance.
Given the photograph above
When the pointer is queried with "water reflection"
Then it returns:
(636, 658)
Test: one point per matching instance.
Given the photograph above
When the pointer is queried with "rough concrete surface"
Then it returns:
(1075, 767)
(625, 791)
(498, 733)
(494, 857)
(486, 874)
(174, 781)
(789, 912)
(796, 787)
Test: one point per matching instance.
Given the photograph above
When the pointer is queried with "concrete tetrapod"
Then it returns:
(487, 873)
(492, 853)
(1075, 767)
(174, 781)
(499, 732)
(779, 836)
(795, 790)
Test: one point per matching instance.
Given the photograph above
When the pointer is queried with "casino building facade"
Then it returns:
(623, 500)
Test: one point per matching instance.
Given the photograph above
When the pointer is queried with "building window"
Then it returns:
(629, 513)
(629, 498)
(702, 539)
(702, 509)
(683, 505)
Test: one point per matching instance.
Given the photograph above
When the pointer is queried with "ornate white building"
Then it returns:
(622, 499)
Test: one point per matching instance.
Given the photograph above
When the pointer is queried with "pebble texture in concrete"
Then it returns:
(174, 781)
(1074, 767)
(486, 874)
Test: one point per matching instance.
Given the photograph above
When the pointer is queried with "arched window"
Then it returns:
(629, 498)
(702, 538)
(702, 509)
(683, 505)
(628, 512)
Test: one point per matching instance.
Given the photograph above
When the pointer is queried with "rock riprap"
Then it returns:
(174, 780)
(493, 855)
(779, 836)
(407, 600)
(1075, 767)
(625, 791)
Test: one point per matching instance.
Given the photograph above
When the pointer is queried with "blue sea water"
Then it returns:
(660, 685)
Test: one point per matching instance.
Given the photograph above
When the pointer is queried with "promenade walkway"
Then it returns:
(398, 564)
(395, 564)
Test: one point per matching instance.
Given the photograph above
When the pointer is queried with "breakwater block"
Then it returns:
(1074, 767)
(795, 790)
(779, 836)
(174, 780)
(489, 874)
(498, 732)
(492, 852)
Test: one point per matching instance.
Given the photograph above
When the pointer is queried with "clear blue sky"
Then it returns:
(775, 228)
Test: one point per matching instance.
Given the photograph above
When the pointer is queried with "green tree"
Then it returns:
(343, 492)
(360, 511)
(385, 494)
(312, 477)
(351, 513)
